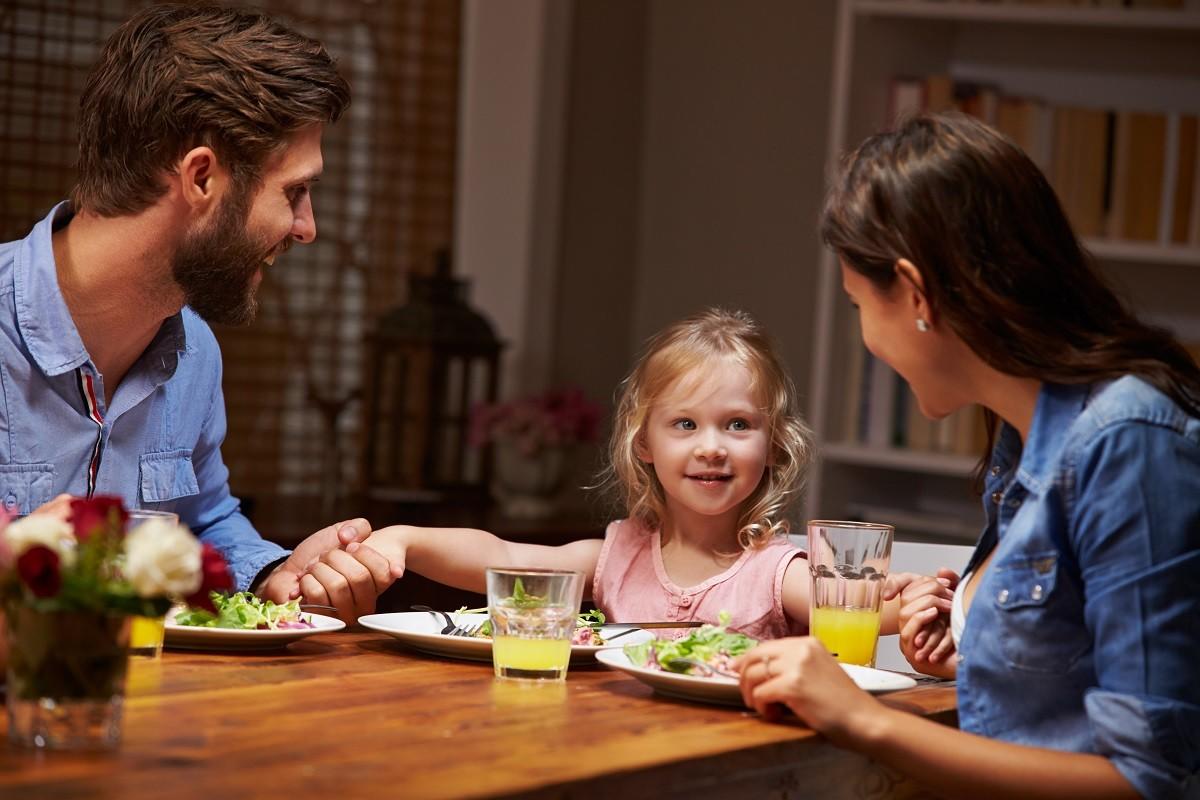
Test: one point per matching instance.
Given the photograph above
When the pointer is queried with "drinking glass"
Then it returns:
(533, 615)
(849, 563)
(146, 633)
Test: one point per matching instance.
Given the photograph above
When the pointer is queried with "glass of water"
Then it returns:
(533, 615)
(849, 564)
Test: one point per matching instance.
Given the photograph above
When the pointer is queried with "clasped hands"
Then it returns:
(799, 672)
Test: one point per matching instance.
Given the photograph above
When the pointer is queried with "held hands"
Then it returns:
(332, 567)
(799, 673)
(924, 621)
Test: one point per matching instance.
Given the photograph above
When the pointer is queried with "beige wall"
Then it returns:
(694, 165)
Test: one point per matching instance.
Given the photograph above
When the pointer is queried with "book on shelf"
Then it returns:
(1119, 174)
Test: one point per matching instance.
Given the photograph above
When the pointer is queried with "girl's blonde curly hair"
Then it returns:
(670, 355)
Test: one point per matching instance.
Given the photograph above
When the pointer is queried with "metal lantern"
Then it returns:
(429, 361)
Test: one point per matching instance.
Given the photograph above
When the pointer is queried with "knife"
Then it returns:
(683, 623)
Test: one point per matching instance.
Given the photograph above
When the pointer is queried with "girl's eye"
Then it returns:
(739, 425)
(685, 424)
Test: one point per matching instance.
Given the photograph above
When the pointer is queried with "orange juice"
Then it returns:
(146, 636)
(852, 633)
(530, 658)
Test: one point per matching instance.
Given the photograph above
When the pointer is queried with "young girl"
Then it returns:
(1077, 632)
(707, 452)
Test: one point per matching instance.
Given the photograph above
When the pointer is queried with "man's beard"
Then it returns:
(215, 267)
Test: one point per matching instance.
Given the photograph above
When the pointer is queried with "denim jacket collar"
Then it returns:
(43, 318)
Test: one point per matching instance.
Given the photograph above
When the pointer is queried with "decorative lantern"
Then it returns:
(429, 362)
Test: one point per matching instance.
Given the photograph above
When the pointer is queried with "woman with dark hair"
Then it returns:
(1077, 624)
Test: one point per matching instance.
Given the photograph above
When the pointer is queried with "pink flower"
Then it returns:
(214, 577)
(38, 569)
(552, 419)
(96, 514)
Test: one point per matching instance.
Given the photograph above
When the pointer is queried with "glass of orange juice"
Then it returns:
(849, 563)
(533, 614)
(146, 633)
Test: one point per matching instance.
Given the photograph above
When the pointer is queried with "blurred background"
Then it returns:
(524, 190)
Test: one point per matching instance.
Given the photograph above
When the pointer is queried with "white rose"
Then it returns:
(162, 559)
(44, 529)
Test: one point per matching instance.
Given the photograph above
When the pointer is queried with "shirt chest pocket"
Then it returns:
(1041, 619)
(167, 477)
(24, 487)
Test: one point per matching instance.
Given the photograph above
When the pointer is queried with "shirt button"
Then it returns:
(995, 470)
(1002, 597)
(1037, 592)
(10, 502)
(996, 497)
(685, 601)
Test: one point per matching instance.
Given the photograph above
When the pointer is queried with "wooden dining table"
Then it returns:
(355, 714)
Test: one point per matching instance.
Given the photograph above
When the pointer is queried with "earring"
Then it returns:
(922, 325)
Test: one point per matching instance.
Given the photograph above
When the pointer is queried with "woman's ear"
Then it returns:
(913, 283)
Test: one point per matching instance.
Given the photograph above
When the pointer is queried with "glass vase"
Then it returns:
(66, 678)
(527, 485)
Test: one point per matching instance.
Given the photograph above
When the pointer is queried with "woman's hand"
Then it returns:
(800, 674)
(924, 622)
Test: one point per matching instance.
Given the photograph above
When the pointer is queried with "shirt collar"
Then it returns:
(1057, 405)
(42, 315)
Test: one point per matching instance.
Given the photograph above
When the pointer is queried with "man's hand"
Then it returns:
(321, 571)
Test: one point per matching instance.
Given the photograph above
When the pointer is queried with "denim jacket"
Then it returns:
(1084, 634)
(158, 445)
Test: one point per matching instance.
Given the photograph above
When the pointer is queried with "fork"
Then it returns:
(708, 669)
(452, 628)
(468, 631)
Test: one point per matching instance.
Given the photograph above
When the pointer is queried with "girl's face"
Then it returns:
(708, 440)
(929, 360)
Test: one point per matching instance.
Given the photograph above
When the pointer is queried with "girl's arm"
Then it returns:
(458, 557)
(799, 673)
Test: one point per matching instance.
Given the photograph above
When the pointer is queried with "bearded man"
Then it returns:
(199, 143)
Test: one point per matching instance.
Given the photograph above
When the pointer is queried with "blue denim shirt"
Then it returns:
(1084, 632)
(160, 441)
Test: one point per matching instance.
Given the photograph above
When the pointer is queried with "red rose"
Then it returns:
(214, 577)
(38, 568)
(97, 513)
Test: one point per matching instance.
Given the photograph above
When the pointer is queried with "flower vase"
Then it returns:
(527, 484)
(66, 678)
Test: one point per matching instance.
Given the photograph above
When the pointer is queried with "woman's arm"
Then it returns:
(798, 673)
(458, 557)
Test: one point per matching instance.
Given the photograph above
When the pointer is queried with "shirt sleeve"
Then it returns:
(214, 514)
(1136, 531)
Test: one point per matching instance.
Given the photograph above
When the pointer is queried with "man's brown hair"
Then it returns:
(175, 77)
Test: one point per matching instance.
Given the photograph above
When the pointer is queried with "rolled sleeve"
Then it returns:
(1151, 741)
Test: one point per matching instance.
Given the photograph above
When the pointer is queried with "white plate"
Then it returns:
(718, 689)
(188, 637)
(419, 630)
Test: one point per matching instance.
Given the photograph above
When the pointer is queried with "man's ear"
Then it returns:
(914, 284)
(201, 178)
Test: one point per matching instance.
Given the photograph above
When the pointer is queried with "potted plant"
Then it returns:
(531, 437)
(68, 587)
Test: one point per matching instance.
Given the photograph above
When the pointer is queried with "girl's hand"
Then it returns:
(924, 621)
(800, 674)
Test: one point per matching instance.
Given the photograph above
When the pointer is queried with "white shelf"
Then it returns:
(1126, 18)
(900, 459)
(1144, 252)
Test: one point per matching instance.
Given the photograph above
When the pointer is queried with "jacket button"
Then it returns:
(1037, 592)
(995, 470)
(1002, 597)
(996, 497)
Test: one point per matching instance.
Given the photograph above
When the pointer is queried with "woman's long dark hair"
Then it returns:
(1002, 266)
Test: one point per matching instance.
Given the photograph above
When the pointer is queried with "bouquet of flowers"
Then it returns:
(537, 422)
(90, 564)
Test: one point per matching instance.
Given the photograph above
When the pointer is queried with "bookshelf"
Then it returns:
(1098, 55)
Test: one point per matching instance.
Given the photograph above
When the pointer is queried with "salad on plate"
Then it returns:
(586, 634)
(245, 611)
(713, 646)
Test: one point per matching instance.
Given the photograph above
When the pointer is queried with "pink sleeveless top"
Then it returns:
(631, 584)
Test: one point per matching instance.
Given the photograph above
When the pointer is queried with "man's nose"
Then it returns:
(304, 223)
